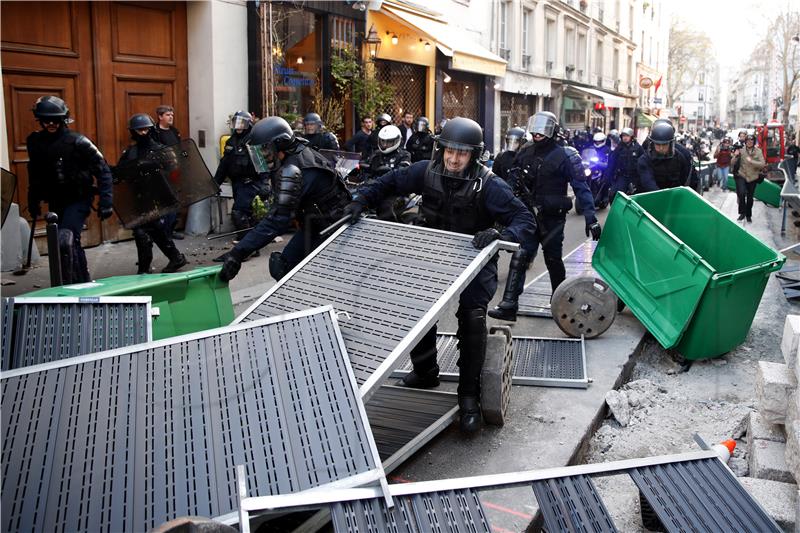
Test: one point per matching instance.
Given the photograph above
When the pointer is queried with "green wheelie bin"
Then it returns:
(186, 301)
(693, 277)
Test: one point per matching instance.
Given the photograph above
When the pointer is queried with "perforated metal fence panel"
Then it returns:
(403, 420)
(572, 504)
(535, 299)
(128, 439)
(41, 330)
(452, 510)
(536, 361)
(387, 282)
(701, 495)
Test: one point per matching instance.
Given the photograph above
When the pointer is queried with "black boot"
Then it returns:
(472, 348)
(557, 271)
(425, 374)
(176, 262)
(515, 284)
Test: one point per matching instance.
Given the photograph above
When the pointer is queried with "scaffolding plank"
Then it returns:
(537, 361)
(535, 299)
(701, 495)
(127, 439)
(41, 330)
(388, 283)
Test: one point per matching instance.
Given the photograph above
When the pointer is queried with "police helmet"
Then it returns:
(140, 121)
(613, 136)
(389, 139)
(626, 131)
(544, 123)
(662, 133)
(382, 120)
(241, 120)
(462, 134)
(270, 136)
(514, 137)
(312, 123)
(422, 124)
(599, 139)
(50, 107)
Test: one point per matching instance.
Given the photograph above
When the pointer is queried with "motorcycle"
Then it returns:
(595, 165)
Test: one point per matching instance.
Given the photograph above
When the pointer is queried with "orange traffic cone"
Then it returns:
(725, 449)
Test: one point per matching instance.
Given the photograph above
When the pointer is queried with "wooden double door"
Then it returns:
(107, 60)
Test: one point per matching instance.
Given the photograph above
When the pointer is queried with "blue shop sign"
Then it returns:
(293, 78)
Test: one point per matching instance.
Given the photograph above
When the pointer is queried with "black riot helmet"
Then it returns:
(662, 133)
(51, 107)
(312, 123)
(514, 138)
(422, 125)
(140, 121)
(544, 123)
(241, 120)
(462, 134)
(270, 136)
(382, 120)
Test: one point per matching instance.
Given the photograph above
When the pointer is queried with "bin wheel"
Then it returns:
(584, 306)
(650, 519)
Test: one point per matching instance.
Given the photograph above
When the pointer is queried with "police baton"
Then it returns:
(336, 225)
(229, 234)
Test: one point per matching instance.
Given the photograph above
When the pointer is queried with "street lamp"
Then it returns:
(373, 42)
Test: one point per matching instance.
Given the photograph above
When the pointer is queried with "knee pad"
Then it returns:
(277, 266)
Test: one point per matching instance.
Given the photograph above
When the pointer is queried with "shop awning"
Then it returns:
(644, 120)
(464, 54)
(610, 100)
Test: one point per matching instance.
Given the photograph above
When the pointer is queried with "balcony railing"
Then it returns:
(526, 62)
(505, 53)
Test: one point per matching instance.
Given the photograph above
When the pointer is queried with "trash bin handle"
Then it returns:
(724, 279)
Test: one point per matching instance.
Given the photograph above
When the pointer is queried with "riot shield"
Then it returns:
(343, 162)
(188, 175)
(142, 193)
(7, 188)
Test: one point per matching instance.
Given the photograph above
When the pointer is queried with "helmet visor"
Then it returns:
(421, 126)
(311, 127)
(387, 145)
(512, 142)
(542, 124)
(263, 157)
(240, 123)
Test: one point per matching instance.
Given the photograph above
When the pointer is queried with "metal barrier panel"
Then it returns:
(536, 361)
(701, 495)
(535, 299)
(388, 283)
(127, 439)
(572, 504)
(41, 330)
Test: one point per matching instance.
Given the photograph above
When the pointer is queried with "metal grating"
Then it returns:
(452, 510)
(403, 420)
(41, 330)
(572, 504)
(701, 495)
(535, 299)
(128, 439)
(388, 283)
(536, 361)
(408, 84)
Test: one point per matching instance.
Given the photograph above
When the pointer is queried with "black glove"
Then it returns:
(593, 228)
(105, 212)
(354, 210)
(230, 266)
(484, 238)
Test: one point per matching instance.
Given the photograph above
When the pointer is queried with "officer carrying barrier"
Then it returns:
(693, 277)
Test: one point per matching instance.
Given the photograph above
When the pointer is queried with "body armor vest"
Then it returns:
(332, 202)
(459, 208)
(544, 177)
(59, 175)
(667, 172)
(240, 167)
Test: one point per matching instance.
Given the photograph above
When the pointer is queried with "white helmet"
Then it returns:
(599, 139)
(389, 139)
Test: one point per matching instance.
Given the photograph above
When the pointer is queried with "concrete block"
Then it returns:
(759, 428)
(779, 500)
(792, 453)
(774, 383)
(793, 407)
(791, 340)
(768, 461)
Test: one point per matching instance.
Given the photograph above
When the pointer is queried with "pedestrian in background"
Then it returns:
(747, 165)
(723, 155)
(406, 127)
(167, 134)
(359, 141)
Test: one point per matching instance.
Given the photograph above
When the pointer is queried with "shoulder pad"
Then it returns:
(83, 142)
(291, 172)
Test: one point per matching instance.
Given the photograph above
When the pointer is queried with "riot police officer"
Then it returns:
(515, 137)
(305, 188)
(314, 133)
(236, 165)
(389, 156)
(662, 165)
(61, 164)
(461, 195)
(147, 154)
(420, 144)
(622, 164)
(542, 171)
(382, 121)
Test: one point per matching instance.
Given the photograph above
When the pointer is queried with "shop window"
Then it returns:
(515, 109)
(460, 99)
(409, 87)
